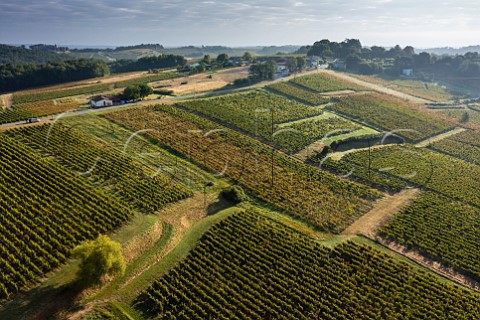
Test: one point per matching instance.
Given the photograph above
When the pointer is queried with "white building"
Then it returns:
(407, 72)
(101, 101)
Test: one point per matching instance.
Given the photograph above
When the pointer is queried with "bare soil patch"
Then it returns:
(6, 101)
(439, 137)
(383, 209)
(203, 82)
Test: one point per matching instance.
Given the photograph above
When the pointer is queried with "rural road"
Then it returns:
(169, 99)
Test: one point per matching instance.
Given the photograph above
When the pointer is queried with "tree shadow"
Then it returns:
(218, 205)
(41, 303)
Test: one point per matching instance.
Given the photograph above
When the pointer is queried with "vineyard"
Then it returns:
(144, 188)
(140, 150)
(298, 93)
(425, 90)
(46, 211)
(376, 179)
(318, 197)
(36, 109)
(308, 131)
(147, 79)
(435, 171)
(250, 267)
(473, 115)
(441, 229)
(325, 83)
(253, 112)
(32, 95)
(389, 113)
(465, 145)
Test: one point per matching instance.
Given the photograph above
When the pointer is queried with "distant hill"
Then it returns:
(38, 55)
(139, 51)
(450, 50)
(43, 53)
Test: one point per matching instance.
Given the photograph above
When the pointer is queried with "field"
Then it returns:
(442, 230)
(46, 211)
(387, 232)
(250, 267)
(425, 90)
(473, 115)
(26, 110)
(465, 145)
(147, 79)
(271, 175)
(389, 113)
(144, 188)
(32, 95)
(325, 83)
(254, 112)
(441, 173)
(203, 82)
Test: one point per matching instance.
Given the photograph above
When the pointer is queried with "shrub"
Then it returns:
(234, 194)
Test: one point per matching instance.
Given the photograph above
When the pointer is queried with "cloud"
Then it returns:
(233, 22)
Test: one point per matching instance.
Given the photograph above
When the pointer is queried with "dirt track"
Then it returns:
(377, 87)
(382, 210)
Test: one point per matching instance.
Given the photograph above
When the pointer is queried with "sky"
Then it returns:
(420, 23)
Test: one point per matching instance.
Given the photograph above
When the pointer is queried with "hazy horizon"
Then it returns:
(424, 24)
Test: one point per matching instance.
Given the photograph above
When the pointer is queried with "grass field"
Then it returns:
(426, 90)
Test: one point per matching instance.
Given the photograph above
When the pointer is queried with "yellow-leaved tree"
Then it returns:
(99, 257)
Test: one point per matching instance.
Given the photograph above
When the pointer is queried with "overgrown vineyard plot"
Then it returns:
(426, 90)
(473, 116)
(374, 178)
(441, 173)
(141, 150)
(143, 187)
(298, 93)
(321, 198)
(252, 112)
(249, 267)
(389, 113)
(465, 145)
(45, 212)
(442, 229)
(310, 130)
(32, 95)
(325, 83)
(35, 109)
(147, 79)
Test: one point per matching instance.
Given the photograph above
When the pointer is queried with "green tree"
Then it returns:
(132, 93)
(145, 90)
(247, 56)
(262, 71)
(465, 117)
(300, 63)
(137, 92)
(207, 59)
(222, 58)
(99, 257)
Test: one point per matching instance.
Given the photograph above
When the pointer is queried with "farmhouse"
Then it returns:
(101, 101)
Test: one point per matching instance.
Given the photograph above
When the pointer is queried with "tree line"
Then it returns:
(147, 63)
(377, 59)
(23, 76)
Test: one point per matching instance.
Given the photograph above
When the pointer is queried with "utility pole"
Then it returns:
(273, 149)
(369, 161)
